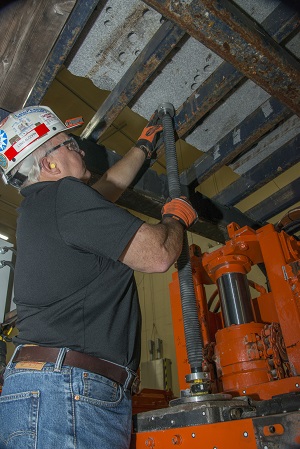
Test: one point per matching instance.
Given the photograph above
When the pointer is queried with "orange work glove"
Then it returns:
(180, 209)
(151, 137)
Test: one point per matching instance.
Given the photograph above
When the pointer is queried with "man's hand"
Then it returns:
(180, 209)
(151, 137)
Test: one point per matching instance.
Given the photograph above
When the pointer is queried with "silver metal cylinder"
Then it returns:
(235, 298)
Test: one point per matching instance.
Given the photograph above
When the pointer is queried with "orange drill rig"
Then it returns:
(243, 389)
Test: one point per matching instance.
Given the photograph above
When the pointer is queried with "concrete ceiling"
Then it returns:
(231, 70)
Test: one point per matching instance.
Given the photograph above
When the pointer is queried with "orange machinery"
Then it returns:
(247, 394)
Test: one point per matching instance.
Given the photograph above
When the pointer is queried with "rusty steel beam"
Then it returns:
(283, 21)
(249, 131)
(280, 24)
(223, 28)
(155, 52)
(263, 172)
(205, 97)
(281, 200)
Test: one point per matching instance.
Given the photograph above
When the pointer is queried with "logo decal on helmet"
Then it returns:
(3, 161)
(28, 139)
(3, 140)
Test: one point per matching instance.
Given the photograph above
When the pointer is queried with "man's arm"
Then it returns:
(154, 248)
(118, 177)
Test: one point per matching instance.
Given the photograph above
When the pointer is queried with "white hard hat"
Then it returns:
(24, 131)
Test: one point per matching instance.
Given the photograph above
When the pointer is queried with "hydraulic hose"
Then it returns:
(192, 329)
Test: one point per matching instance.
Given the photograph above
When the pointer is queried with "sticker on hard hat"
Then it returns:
(49, 119)
(3, 161)
(27, 111)
(29, 138)
(73, 122)
(3, 140)
(21, 127)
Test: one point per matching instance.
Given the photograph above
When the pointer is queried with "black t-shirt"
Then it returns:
(70, 289)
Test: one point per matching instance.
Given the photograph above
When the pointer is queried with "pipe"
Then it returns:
(192, 330)
(235, 298)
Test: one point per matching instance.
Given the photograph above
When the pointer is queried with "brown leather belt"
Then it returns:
(77, 359)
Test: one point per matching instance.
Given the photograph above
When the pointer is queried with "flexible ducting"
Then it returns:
(189, 307)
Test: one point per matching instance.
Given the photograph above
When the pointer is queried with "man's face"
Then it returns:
(69, 159)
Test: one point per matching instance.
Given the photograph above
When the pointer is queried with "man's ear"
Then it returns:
(49, 166)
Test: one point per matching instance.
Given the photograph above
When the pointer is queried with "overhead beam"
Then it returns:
(281, 200)
(279, 24)
(223, 28)
(283, 21)
(202, 100)
(242, 137)
(75, 24)
(263, 172)
(206, 97)
(154, 53)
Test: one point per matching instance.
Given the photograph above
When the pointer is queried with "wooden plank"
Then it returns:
(29, 29)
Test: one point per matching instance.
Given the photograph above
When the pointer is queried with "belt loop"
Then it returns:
(131, 376)
(17, 349)
(128, 379)
(60, 359)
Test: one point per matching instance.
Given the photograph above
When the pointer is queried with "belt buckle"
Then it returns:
(132, 382)
(135, 386)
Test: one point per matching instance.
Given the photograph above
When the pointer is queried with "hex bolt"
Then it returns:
(193, 435)
(272, 429)
(176, 440)
(297, 385)
(150, 442)
(245, 434)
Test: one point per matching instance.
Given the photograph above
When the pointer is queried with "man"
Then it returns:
(69, 382)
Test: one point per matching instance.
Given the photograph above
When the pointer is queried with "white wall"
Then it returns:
(4, 278)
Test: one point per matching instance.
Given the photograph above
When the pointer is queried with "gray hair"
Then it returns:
(32, 160)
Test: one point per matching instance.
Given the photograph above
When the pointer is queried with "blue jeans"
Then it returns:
(62, 407)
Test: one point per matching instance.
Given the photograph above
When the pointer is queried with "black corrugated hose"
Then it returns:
(192, 329)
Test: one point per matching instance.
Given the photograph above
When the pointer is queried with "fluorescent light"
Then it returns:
(4, 237)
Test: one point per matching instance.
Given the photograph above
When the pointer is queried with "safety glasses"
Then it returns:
(71, 144)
